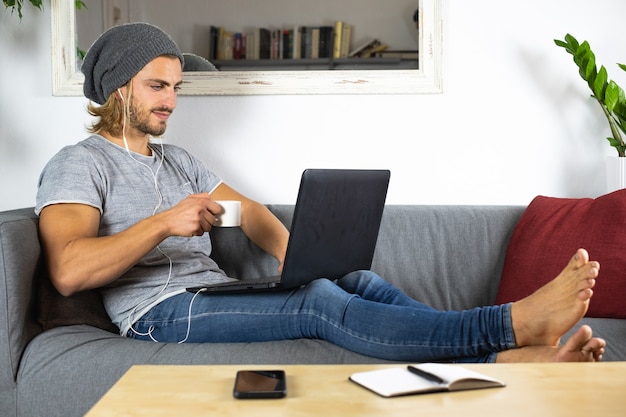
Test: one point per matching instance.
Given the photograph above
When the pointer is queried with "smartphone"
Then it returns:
(260, 384)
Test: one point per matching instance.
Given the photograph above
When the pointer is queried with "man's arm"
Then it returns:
(80, 260)
(258, 223)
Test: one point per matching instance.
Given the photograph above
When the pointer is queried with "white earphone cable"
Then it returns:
(159, 202)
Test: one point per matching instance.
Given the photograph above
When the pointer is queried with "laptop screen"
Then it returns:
(335, 224)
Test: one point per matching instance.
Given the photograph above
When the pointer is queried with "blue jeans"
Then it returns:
(360, 312)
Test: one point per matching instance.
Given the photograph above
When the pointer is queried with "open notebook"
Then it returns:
(423, 379)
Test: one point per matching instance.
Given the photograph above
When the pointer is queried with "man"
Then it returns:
(130, 217)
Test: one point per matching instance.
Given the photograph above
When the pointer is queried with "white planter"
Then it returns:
(615, 173)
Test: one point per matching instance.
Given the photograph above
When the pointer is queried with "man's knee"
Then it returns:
(359, 280)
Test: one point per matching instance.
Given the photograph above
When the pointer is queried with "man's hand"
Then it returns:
(193, 216)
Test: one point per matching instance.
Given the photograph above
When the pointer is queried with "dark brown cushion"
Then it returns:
(56, 310)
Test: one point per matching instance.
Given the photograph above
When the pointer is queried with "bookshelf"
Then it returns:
(336, 76)
(302, 48)
(319, 64)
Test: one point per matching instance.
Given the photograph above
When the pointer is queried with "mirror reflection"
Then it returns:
(74, 30)
(271, 35)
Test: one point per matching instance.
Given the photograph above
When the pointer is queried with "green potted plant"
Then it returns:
(606, 92)
(17, 5)
(611, 99)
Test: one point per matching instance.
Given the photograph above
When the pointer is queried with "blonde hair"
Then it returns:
(110, 115)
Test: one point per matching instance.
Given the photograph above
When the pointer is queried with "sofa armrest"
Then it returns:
(20, 258)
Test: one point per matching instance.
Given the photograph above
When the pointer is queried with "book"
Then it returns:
(326, 42)
(226, 45)
(337, 39)
(393, 53)
(252, 44)
(296, 52)
(287, 44)
(213, 41)
(346, 39)
(368, 53)
(366, 49)
(275, 42)
(306, 41)
(238, 46)
(264, 43)
(315, 42)
(422, 379)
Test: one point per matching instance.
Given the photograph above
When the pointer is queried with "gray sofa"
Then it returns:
(450, 257)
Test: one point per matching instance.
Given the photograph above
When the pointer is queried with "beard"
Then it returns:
(139, 119)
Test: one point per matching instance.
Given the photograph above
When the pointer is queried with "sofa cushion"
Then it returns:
(549, 233)
(19, 262)
(415, 252)
(65, 371)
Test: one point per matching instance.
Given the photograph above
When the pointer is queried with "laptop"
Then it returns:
(333, 232)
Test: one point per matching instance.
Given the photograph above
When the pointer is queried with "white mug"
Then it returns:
(230, 215)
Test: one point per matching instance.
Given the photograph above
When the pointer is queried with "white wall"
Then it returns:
(514, 120)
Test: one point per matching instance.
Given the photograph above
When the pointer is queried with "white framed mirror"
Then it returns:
(68, 81)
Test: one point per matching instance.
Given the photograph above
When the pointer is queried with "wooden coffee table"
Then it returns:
(578, 389)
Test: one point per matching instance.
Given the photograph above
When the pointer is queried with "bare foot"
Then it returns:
(581, 347)
(544, 316)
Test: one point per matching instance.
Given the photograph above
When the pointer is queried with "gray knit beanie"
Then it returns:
(120, 53)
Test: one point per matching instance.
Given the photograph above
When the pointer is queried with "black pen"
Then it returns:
(426, 375)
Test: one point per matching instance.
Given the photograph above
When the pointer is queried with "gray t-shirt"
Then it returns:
(122, 186)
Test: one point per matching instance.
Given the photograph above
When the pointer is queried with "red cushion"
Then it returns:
(549, 233)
